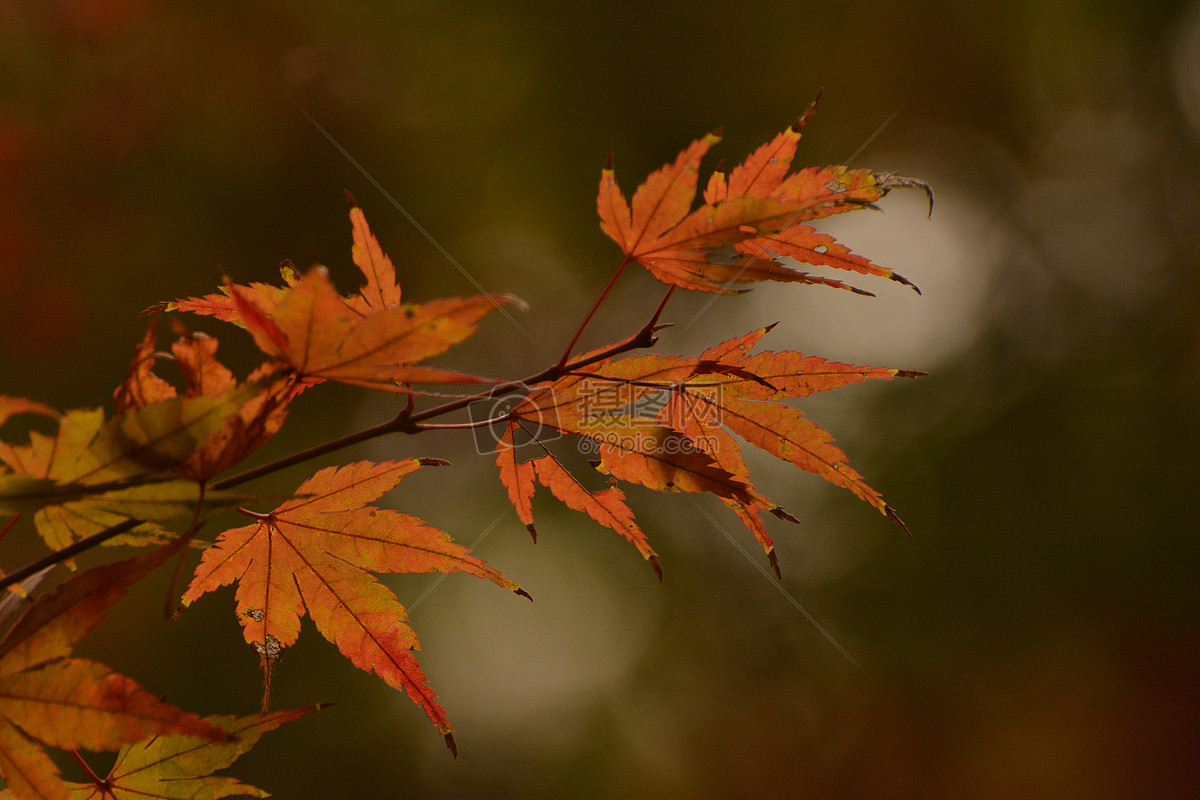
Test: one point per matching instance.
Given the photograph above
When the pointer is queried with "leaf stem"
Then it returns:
(99, 782)
(408, 422)
(595, 307)
(187, 537)
(8, 526)
(59, 556)
(312, 452)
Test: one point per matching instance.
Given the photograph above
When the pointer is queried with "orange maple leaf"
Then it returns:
(368, 339)
(381, 290)
(254, 423)
(73, 703)
(314, 554)
(667, 423)
(747, 221)
(606, 506)
(322, 337)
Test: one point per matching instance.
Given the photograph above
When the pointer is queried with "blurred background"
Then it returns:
(1036, 637)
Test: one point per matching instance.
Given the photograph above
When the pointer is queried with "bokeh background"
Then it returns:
(1036, 637)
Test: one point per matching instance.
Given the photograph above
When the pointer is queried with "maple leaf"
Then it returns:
(179, 767)
(257, 419)
(606, 507)
(381, 290)
(667, 423)
(314, 554)
(755, 214)
(93, 471)
(368, 339)
(316, 332)
(73, 703)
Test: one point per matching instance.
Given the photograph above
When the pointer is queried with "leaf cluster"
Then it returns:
(152, 471)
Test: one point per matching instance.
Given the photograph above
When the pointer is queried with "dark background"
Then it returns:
(1037, 636)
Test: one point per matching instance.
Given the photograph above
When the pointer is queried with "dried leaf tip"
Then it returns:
(804, 118)
(513, 300)
(433, 462)
(451, 744)
(608, 160)
(350, 199)
(890, 180)
(894, 517)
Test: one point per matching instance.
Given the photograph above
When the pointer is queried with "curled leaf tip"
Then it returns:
(154, 309)
(898, 278)
(532, 532)
(433, 462)
(608, 160)
(524, 594)
(350, 199)
(451, 744)
(513, 300)
(890, 180)
(774, 563)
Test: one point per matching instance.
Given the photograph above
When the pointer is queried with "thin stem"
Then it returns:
(661, 307)
(313, 452)
(407, 422)
(100, 783)
(59, 556)
(459, 426)
(595, 306)
(8, 526)
(183, 549)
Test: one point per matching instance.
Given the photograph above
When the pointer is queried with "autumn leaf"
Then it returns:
(321, 337)
(223, 306)
(668, 423)
(748, 220)
(92, 470)
(180, 767)
(257, 419)
(368, 339)
(381, 291)
(606, 506)
(314, 554)
(72, 703)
